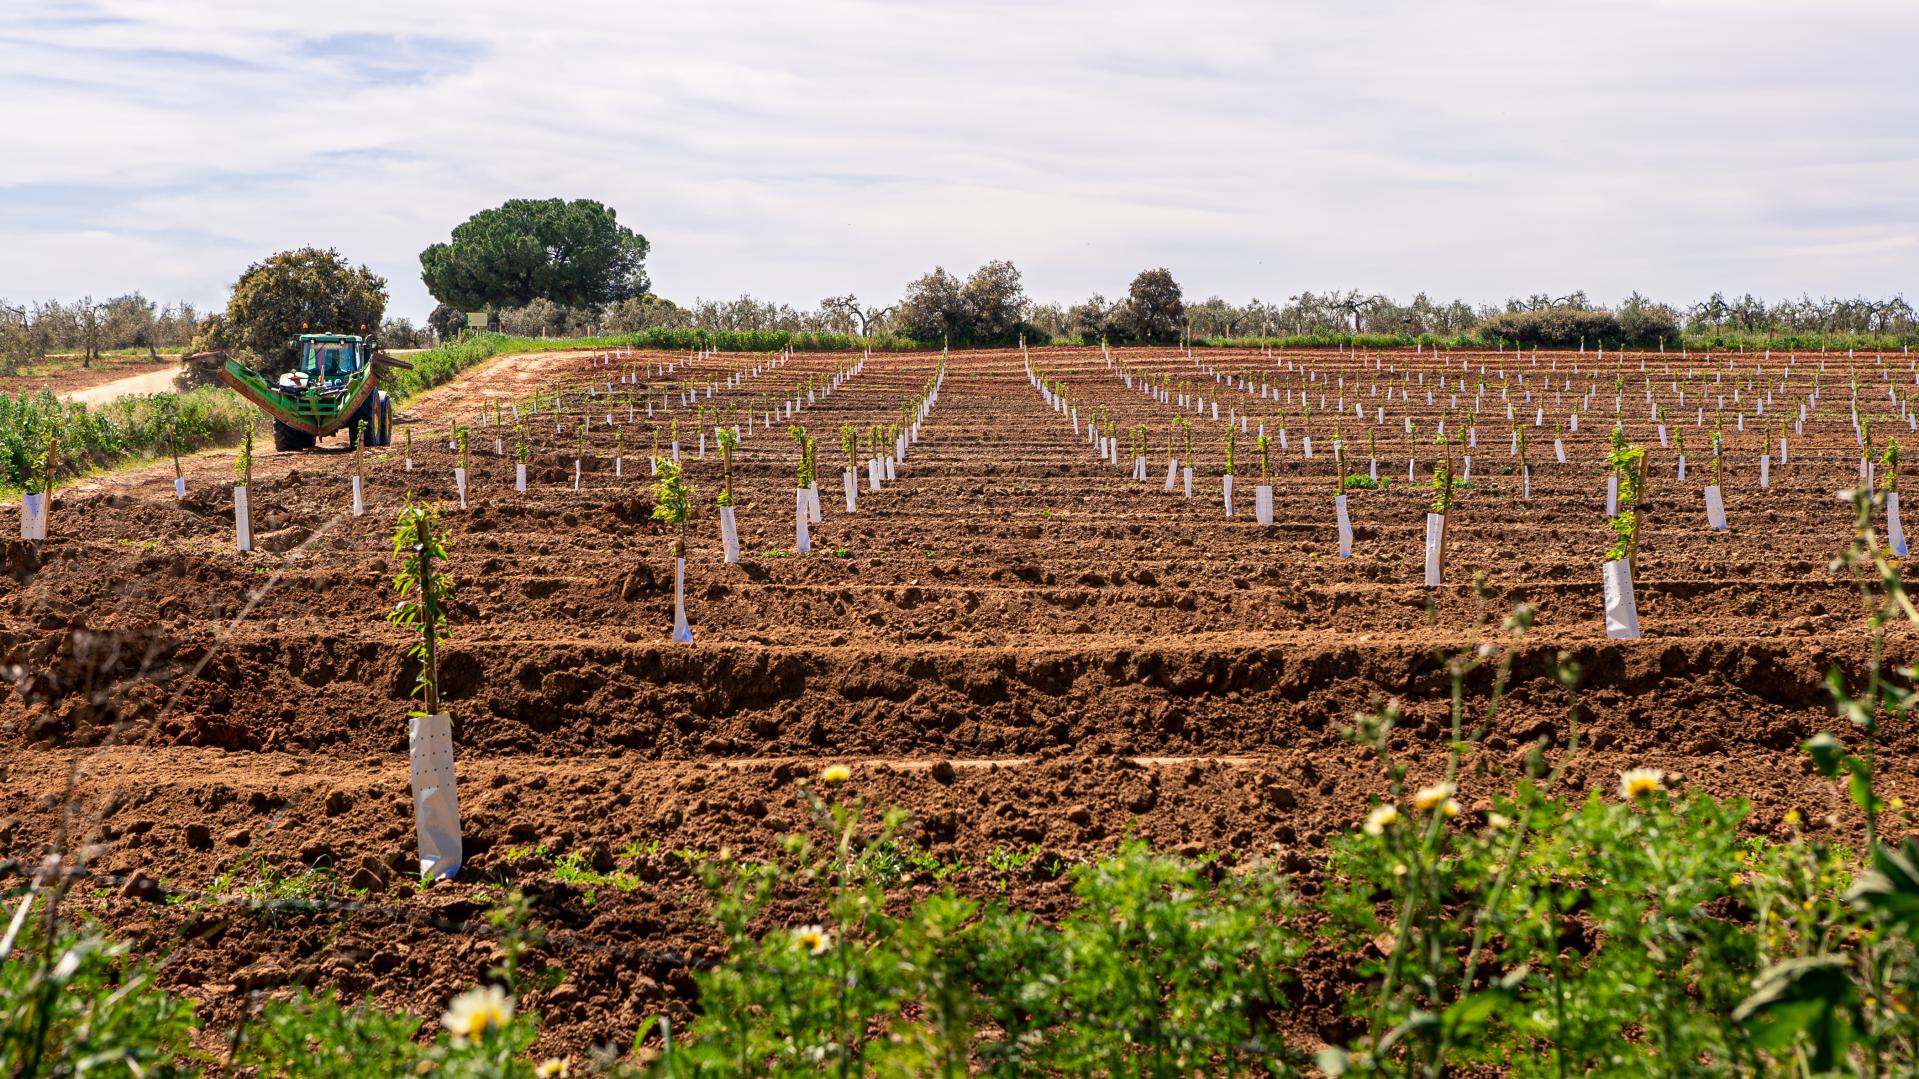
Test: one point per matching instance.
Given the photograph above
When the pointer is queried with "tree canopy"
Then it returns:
(1154, 309)
(987, 308)
(294, 292)
(572, 253)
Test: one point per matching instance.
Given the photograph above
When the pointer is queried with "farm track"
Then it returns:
(1094, 657)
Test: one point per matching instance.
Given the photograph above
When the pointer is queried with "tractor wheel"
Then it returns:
(290, 438)
(364, 414)
(385, 421)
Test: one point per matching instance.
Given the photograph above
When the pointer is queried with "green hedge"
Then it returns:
(129, 428)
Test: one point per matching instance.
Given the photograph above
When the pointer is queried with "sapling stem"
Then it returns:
(804, 473)
(243, 462)
(1339, 459)
(727, 442)
(1718, 437)
(1442, 483)
(53, 462)
(424, 590)
(1628, 462)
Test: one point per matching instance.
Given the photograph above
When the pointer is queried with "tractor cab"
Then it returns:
(326, 361)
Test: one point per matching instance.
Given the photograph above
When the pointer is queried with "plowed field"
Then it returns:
(1012, 639)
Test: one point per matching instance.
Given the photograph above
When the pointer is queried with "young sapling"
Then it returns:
(1628, 462)
(849, 443)
(359, 468)
(729, 535)
(672, 497)
(243, 479)
(425, 588)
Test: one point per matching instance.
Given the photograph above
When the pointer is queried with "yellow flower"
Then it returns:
(1380, 818)
(811, 939)
(1435, 797)
(554, 1068)
(1499, 822)
(1792, 818)
(835, 774)
(1641, 781)
(478, 1010)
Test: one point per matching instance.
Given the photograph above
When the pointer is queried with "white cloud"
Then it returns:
(1480, 148)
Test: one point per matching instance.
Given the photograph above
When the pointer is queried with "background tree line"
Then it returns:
(990, 306)
(569, 268)
(562, 269)
(87, 327)
(995, 311)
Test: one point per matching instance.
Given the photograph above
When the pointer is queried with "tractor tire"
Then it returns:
(364, 414)
(384, 421)
(289, 438)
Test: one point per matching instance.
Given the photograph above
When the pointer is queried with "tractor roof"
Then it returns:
(329, 337)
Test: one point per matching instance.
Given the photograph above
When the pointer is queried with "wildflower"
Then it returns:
(835, 774)
(478, 1010)
(811, 939)
(1499, 822)
(1381, 816)
(1641, 781)
(1435, 797)
(1792, 818)
(553, 1068)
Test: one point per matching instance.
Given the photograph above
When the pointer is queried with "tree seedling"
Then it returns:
(424, 588)
(672, 496)
(728, 440)
(1628, 462)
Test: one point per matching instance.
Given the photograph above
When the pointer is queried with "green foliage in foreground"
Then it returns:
(1606, 935)
(129, 428)
(1628, 933)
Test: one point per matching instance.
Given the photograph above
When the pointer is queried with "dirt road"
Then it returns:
(156, 381)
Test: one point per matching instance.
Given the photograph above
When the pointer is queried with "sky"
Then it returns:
(795, 150)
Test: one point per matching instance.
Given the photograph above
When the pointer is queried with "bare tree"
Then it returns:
(848, 306)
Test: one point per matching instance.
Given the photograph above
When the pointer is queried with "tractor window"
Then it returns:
(328, 359)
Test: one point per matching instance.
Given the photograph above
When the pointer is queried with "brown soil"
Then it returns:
(1092, 656)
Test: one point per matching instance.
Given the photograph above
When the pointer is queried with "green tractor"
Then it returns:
(333, 385)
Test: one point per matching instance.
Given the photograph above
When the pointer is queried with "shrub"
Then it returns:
(1551, 326)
